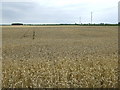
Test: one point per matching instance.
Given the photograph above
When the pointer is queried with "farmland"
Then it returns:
(60, 56)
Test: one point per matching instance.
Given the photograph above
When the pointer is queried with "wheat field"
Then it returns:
(60, 56)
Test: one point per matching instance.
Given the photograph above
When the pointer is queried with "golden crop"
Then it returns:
(60, 57)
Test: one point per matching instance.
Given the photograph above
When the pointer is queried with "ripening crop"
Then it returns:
(60, 57)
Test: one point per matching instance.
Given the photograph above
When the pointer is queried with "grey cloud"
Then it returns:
(15, 11)
(37, 13)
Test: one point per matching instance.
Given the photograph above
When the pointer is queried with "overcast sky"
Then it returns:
(60, 11)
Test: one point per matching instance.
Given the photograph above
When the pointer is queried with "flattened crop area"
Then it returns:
(60, 56)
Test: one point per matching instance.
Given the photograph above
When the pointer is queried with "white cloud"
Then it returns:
(57, 3)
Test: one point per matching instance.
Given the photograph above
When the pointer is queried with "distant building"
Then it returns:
(16, 24)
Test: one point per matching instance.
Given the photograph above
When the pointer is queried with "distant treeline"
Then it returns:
(17, 23)
(101, 24)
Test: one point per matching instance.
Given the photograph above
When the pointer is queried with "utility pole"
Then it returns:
(91, 17)
(80, 20)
